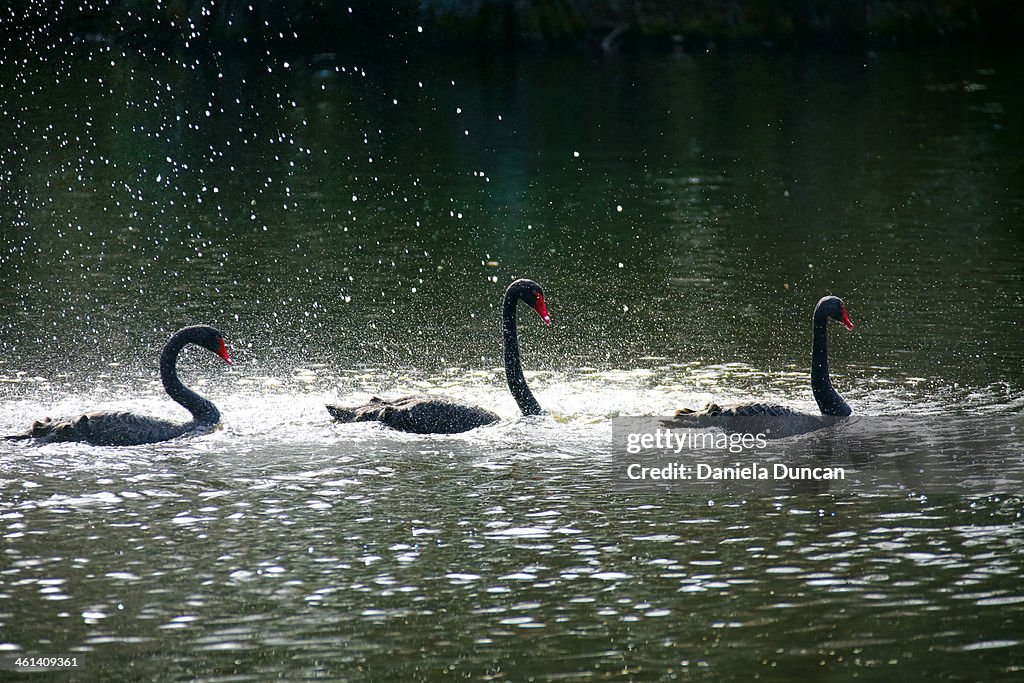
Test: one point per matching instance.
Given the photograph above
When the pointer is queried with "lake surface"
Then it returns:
(350, 225)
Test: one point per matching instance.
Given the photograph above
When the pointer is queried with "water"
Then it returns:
(350, 224)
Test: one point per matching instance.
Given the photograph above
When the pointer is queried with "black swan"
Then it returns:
(434, 415)
(119, 428)
(830, 403)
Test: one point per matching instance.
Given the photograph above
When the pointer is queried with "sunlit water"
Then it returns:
(350, 229)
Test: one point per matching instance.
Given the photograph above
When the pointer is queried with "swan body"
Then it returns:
(742, 410)
(108, 428)
(436, 415)
(418, 414)
(121, 428)
(830, 403)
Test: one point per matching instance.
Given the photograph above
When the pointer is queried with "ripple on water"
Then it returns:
(357, 533)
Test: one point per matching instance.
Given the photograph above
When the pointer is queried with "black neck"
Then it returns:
(513, 367)
(202, 410)
(828, 399)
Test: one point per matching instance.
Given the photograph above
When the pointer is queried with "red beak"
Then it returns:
(847, 323)
(542, 309)
(222, 351)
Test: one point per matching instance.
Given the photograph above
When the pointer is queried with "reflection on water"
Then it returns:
(351, 550)
(350, 228)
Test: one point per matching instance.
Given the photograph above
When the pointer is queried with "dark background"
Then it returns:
(497, 25)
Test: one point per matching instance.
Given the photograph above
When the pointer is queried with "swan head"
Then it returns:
(209, 338)
(531, 294)
(833, 307)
